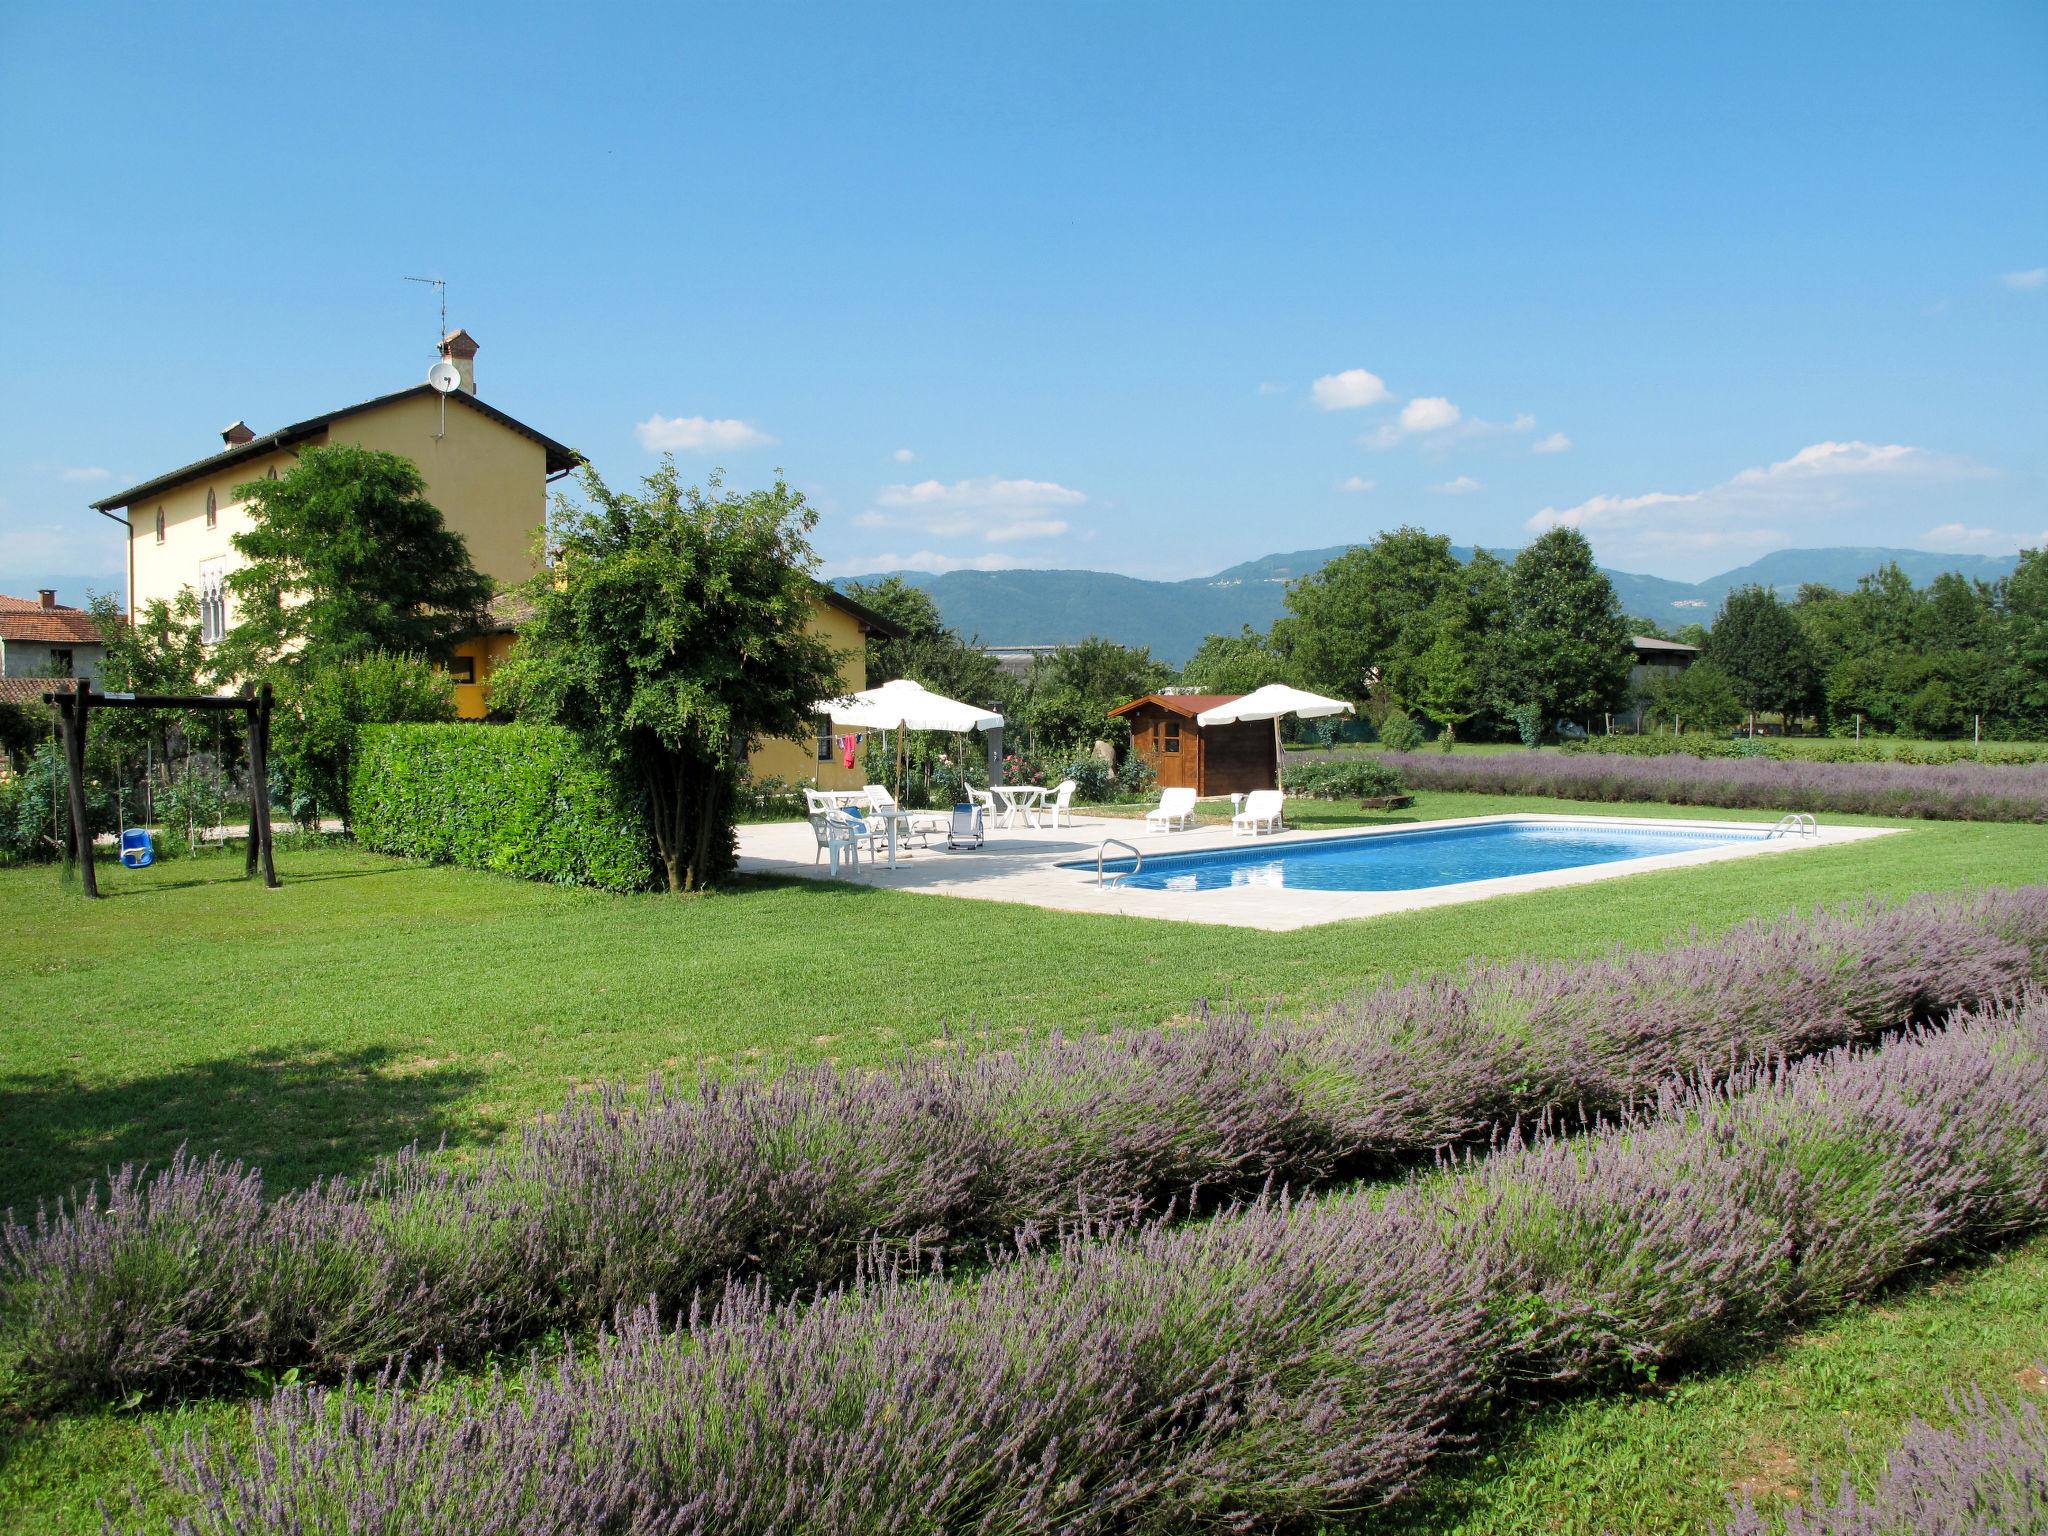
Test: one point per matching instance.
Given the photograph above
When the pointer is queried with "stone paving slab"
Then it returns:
(1023, 865)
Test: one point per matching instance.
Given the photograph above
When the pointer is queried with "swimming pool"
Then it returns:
(1417, 859)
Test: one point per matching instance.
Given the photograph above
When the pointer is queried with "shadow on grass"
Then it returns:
(297, 1117)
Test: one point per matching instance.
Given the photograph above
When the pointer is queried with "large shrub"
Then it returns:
(35, 813)
(191, 1274)
(321, 708)
(523, 800)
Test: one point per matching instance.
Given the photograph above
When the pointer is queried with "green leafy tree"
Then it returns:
(1445, 683)
(913, 610)
(1561, 651)
(346, 556)
(160, 652)
(1699, 698)
(1237, 663)
(2025, 642)
(1367, 613)
(1758, 643)
(673, 635)
(1073, 690)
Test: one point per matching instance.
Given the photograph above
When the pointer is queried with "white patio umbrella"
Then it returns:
(1270, 703)
(901, 706)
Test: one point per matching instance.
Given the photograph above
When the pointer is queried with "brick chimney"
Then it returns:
(48, 595)
(237, 434)
(459, 347)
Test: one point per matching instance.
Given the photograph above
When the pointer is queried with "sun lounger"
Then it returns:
(1176, 809)
(1261, 813)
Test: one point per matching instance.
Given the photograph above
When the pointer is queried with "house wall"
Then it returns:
(487, 652)
(31, 658)
(797, 760)
(489, 483)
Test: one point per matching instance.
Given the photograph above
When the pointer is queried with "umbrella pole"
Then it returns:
(1279, 753)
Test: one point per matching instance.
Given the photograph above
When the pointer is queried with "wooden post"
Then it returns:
(259, 782)
(252, 853)
(74, 764)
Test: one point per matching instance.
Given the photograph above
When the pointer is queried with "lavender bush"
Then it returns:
(1960, 791)
(1281, 1366)
(191, 1275)
(1988, 1476)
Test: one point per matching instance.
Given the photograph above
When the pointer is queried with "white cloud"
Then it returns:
(1988, 541)
(85, 475)
(981, 494)
(902, 455)
(1464, 485)
(2033, 277)
(696, 434)
(1026, 528)
(1358, 485)
(1349, 390)
(1429, 413)
(1754, 508)
(1557, 442)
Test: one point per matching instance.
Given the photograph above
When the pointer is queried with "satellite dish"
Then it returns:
(445, 376)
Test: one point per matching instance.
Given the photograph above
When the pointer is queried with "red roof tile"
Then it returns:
(25, 618)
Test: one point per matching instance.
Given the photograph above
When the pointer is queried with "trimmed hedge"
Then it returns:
(523, 800)
(1344, 778)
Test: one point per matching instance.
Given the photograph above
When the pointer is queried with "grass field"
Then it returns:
(372, 1002)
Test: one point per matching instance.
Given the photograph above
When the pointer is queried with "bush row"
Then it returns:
(523, 800)
(1988, 1476)
(1813, 749)
(1956, 792)
(191, 1274)
(1356, 777)
(1286, 1367)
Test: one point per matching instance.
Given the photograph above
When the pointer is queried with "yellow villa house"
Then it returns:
(486, 471)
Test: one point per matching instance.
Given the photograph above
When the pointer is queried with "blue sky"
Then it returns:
(1144, 288)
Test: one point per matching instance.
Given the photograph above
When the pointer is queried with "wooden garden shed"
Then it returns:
(1209, 759)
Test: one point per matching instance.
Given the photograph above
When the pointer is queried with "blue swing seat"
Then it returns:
(137, 851)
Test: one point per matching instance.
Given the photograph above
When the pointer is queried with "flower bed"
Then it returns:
(191, 1275)
(1282, 1367)
(1953, 792)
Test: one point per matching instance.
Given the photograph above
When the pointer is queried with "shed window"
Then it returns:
(212, 508)
(159, 525)
(462, 668)
(1173, 735)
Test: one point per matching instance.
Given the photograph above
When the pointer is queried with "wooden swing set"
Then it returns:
(74, 719)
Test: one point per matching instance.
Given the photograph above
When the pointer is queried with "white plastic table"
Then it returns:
(1028, 798)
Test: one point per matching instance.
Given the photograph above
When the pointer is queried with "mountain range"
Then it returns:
(1032, 607)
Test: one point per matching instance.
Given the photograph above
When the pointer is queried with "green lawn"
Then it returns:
(370, 1002)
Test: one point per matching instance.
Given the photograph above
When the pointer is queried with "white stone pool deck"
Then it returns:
(1023, 866)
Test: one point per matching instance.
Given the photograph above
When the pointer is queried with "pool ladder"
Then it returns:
(1794, 824)
(1116, 842)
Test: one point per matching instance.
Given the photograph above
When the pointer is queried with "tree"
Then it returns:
(914, 611)
(2026, 638)
(321, 708)
(1758, 643)
(673, 635)
(1366, 613)
(347, 556)
(160, 652)
(1445, 689)
(1699, 697)
(1562, 650)
(1074, 689)
(1236, 663)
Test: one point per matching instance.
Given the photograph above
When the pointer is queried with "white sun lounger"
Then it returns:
(1261, 813)
(1176, 808)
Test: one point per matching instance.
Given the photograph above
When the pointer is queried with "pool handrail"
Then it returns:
(1116, 842)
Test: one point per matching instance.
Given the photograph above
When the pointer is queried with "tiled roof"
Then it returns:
(25, 618)
(30, 690)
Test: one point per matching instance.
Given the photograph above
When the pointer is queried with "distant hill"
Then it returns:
(1171, 617)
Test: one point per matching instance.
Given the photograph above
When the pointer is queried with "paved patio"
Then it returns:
(1023, 865)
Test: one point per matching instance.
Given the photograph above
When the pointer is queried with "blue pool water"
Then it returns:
(1407, 861)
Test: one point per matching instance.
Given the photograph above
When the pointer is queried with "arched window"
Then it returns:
(273, 472)
(159, 525)
(212, 508)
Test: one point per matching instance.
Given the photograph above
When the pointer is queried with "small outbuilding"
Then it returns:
(1209, 759)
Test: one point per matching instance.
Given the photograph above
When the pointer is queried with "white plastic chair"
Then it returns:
(993, 810)
(835, 832)
(1062, 803)
(918, 824)
(1176, 808)
(1261, 811)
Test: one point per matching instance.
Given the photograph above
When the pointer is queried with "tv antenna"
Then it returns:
(444, 375)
